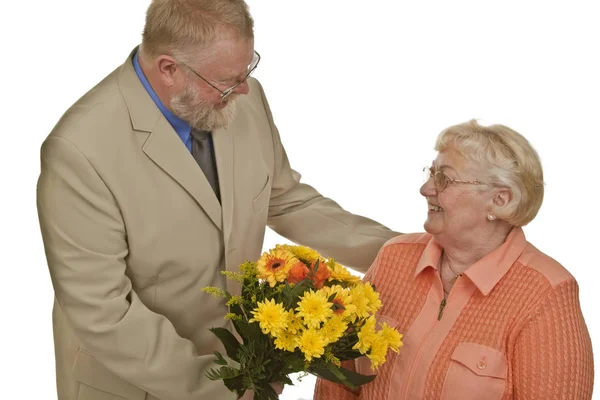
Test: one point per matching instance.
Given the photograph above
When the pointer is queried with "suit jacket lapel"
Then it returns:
(163, 146)
(167, 150)
(223, 142)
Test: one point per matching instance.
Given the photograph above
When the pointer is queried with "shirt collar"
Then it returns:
(488, 271)
(180, 126)
(430, 257)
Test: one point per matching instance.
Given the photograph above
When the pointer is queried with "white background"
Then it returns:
(359, 93)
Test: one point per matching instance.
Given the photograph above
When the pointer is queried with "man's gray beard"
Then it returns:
(189, 106)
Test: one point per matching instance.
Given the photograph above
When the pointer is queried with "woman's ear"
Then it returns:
(502, 198)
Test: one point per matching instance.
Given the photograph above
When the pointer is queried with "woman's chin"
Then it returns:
(431, 227)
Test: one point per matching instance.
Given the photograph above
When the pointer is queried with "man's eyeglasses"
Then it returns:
(228, 91)
(442, 181)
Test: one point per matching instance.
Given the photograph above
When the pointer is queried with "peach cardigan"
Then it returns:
(511, 328)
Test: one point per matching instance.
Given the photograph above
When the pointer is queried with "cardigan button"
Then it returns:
(481, 364)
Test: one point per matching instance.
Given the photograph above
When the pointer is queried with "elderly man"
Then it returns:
(163, 175)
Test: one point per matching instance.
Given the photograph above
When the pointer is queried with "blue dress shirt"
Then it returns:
(182, 128)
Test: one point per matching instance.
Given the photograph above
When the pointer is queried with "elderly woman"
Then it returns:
(485, 315)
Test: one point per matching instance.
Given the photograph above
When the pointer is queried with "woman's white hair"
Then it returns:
(506, 159)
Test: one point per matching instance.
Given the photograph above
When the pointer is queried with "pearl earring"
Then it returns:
(491, 217)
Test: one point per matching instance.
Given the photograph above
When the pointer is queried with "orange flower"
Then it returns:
(339, 302)
(298, 273)
(275, 265)
(342, 298)
(320, 275)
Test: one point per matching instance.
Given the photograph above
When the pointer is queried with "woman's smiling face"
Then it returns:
(461, 207)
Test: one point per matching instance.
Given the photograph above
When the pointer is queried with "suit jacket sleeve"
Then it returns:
(86, 248)
(301, 214)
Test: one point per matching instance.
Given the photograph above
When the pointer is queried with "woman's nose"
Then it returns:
(428, 189)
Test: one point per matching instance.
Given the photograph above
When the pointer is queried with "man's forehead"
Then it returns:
(228, 51)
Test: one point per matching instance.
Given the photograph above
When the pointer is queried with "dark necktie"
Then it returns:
(203, 154)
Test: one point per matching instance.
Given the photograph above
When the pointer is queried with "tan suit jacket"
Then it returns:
(133, 231)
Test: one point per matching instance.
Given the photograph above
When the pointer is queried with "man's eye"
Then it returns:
(228, 82)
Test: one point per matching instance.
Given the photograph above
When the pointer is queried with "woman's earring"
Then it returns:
(491, 216)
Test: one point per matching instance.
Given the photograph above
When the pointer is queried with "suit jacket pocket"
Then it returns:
(263, 197)
(90, 372)
(476, 372)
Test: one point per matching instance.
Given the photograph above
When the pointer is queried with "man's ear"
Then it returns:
(166, 68)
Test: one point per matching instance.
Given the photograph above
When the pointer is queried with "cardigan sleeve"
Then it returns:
(553, 355)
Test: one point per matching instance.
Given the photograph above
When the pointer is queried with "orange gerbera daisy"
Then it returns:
(275, 265)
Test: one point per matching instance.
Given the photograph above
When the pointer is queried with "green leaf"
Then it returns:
(235, 384)
(291, 294)
(356, 378)
(229, 341)
(265, 392)
(337, 371)
(236, 309)
(286, 380)
(249, 331)
(326, 374)
(346, 377)
(296, 364)
(332, 297)
(220, 360)
(222, 373)
(348, 355)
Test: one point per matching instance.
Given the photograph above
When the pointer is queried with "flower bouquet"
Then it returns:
(298, 312)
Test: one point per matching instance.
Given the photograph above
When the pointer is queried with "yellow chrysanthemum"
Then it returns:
(271, 316)
(275, 265)
(294, 324)
(373, 297)
(303, 253)
(392, 337)
(366, 300)
(334, 329)
(340, 273)
(342, 298)
(286, 340)
(366, 336)
(314, 308)
(312, 344)
(378, 351)
(360, 301)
